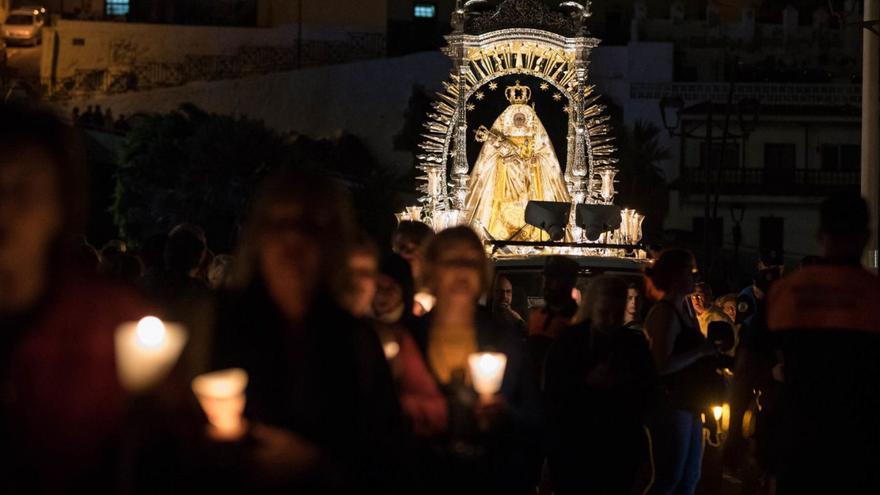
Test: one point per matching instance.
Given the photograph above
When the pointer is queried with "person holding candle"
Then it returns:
(320, 398)
(423, 405)
(600, 380)
(492, 442)
(61, 405)
(678, 347)
(409, 241)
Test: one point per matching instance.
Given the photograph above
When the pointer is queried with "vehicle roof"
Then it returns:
(598, 263)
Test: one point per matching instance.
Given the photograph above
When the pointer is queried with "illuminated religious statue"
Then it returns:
(516, 164)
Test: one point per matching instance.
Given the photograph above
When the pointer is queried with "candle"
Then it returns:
(722, 417)
(391, 349)
(146, 351)
(425, 300)
(487, 372)
(221, 395)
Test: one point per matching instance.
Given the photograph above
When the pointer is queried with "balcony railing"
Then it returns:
(758, 181)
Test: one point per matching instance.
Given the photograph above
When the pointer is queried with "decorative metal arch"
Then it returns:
(518, 37)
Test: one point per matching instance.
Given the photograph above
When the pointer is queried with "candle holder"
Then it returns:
(414, 213)
(221, 395)
(146, 351)
(487, 373)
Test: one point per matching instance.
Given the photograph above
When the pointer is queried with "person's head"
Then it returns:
(503, 292)
(185, 250)
(727, 305)
(153, 251)
(605, 306)
(409, 241)
(363, 267)
(87, 257)
(519, 120)
(560, 278)
(219, 270)
(456, 267)
(42, 196)
(295, 242)
(843, 226)
(768, 258)
(702, 298)
(633, 303)
(394, 293)
(674, 273)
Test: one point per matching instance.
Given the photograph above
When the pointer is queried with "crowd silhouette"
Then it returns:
(359, 367)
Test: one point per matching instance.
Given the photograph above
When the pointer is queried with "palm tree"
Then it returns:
(642, 181)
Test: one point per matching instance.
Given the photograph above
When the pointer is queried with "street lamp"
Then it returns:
(670, 112)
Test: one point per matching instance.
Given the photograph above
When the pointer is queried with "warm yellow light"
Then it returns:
(150, 332)
(487, 372)
(392, 349)
(221, 395)
(146, 351)
(425, 300)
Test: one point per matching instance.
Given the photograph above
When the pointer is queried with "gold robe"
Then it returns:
(516, 166)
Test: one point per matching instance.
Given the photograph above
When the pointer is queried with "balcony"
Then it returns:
(760, 182)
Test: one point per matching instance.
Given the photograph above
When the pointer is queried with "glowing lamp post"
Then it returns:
(146, 351)
(221, 395)
(487, 373)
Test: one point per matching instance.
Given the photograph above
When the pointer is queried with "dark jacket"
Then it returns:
(599, 389)
(826, 321)
(326, 381)
(506, 459)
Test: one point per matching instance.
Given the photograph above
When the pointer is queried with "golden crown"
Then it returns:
(518, 94)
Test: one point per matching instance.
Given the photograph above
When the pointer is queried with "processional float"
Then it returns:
(516, 194)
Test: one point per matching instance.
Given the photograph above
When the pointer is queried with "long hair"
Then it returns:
(670, 265)
(613, 290)
(327, 212)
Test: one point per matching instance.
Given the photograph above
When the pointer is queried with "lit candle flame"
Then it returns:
(487, 372)
(151, 332)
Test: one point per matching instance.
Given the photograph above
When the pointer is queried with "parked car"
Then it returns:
(24, 26)
(526, 275)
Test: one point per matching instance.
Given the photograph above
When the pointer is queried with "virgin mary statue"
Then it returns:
(517, 164)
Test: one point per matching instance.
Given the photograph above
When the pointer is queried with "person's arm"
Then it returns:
(420, 398)
(663, 326)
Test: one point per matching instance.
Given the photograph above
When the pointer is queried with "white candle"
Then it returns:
(487, 372)
(221, 395)
(146, 351)
(425, 300)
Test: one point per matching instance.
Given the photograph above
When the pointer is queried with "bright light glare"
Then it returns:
(488, 364)
(717, 411)
(150, 332)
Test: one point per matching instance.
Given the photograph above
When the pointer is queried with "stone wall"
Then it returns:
(82, 57)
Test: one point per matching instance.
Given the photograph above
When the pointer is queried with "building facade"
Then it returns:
(785, 84)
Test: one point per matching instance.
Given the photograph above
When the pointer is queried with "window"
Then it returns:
(425, 11)
(116, 7)
(779, 163)
(771, 235)
(779, 156)
(716, 230)
(840, 157)
(731, 155)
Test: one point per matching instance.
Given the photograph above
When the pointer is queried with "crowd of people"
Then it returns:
(358, 359)
(94, 117)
